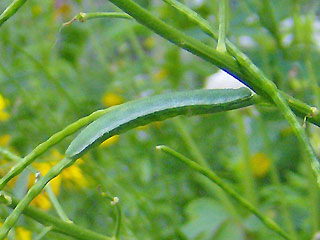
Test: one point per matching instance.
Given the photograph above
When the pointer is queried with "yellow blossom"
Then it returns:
(160, 75)
(4, 140)
(3, 103)
(4, 116)
(23, 234)
(43, 168)
(111, 99)
(73, 176)
(110, 141)
(260, 164)
(41, 201)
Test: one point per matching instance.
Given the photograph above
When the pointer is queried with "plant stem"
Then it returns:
(31, 194)
(213, 177)
(44, 232)
(57, 225)
(197, 155)
(245, 71)
(275, 179)
(11, 10)
(268, 20)
(50, 77)
(300, 108)
(53, 140)
(53, 199)
(247, 175)
(221, 47)
(82, 17)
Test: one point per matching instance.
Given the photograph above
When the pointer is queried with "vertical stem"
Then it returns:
(247, 176)
(53, 199)
(69, 229)
(275, 179)
(50, 77)
(223, 20)
(214, 178)
(197, 155)
(31, 194)
(44, 232)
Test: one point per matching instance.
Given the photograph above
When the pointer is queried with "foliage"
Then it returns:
(52, 75)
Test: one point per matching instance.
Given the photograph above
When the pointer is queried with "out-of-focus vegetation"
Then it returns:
(50, 76)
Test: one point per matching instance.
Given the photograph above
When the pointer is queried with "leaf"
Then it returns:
(205, 218)
(129, 115)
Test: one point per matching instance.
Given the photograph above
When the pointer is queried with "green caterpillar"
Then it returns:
(140, 112)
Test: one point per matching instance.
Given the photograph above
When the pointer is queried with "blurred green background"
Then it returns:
(50, 76)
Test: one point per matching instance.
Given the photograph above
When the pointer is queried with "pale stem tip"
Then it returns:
(115, 201)
(159, 147)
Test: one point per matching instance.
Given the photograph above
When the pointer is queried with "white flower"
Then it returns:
(222, 80)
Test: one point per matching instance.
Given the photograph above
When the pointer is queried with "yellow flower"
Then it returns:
(73, 176)
(4, 140)
(111, 99)
(260, 164)
(3, 104)
(4, 116)
(41, 201)
(23, 234)
(110, 141)
(160, 75)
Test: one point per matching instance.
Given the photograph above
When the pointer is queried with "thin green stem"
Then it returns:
(245, 70)
(223, 19)
(192, 146)
(213, 177)
(114, 201)
(49, 76)
(29, 98)
(11, 10)
(275, 179)
(268, 20)
(53, 140)
(53, 199)
(198, 156)
(55, 203)
(69, 229)
(82, 17)
(247, 175)
(31, 194)
(300, 108)
(44, 232)
(118, 223)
